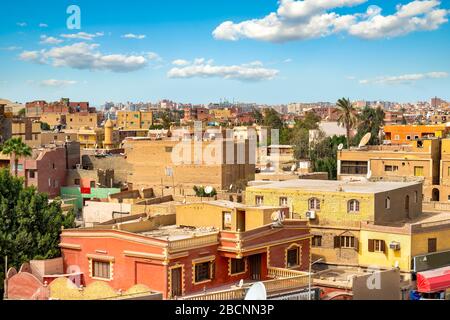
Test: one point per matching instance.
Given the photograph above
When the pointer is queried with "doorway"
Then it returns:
(435, 195)
(176, 288)
(255, 266)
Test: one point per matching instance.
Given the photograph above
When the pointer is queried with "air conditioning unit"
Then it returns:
(78, 166)
(394, 245)
(311, 215)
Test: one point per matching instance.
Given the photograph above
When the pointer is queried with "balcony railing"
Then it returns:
(288, 280)
(193, 242)
(278, 273)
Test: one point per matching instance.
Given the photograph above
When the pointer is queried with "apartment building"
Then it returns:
(417, 161)
(337, 209)
(76, 121)
(129, 120)
(403, 134)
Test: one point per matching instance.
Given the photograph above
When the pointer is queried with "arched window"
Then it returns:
(387, 203)
(314, 204)
(353, 205)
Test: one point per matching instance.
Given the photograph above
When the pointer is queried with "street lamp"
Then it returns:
(309, 276)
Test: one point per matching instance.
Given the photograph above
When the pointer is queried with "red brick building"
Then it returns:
(179, 260)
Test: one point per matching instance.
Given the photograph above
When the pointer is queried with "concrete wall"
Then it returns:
(98, 212)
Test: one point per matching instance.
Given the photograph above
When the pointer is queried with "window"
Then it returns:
(101, 269)
(416, 196)
(316, 241)
(387, 203)
(353, 206)
(390, 168)
(49, 182)
(293, 257)
(347, 242)
(92, 184)
(237, 266)
(314, 204)
(416, 137)
(283, 201)
(32, 174)
(226, 220)
(53, 166)
(397, 137)
(76, 182)
(377, 245)
(353, 167)
(408, 137)
(259, 200)
(168, 149)
(418, 171)
(432, 245)
(203, 271)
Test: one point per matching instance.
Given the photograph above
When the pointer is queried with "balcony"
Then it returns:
(285, 280)
(183, 244)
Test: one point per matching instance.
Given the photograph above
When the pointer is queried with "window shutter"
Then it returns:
(383, 245)
(356, 244)
(337, 241)
(371, 245)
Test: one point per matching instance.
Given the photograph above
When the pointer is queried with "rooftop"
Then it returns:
(335, 186)
(173, 233)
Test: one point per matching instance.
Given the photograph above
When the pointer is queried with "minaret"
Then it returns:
(108, 141)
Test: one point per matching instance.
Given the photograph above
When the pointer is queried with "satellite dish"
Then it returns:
(365, 140)
(256, 292)
(275, 216)
(294, 167)
(241, 283)
(231, 186)
(340, 146)
(208, 189)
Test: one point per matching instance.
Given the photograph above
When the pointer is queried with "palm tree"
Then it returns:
(16, 147)
(347, 117)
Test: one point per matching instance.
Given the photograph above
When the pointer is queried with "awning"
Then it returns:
(433, 280)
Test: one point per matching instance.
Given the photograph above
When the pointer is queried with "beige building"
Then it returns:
(75, 121)
(53, 119)
(168, 164)
(418, 160)
(134, 119)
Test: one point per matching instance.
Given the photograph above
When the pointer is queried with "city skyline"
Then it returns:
(271, 53)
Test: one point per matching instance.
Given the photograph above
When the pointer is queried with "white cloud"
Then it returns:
(288, 60)
(206, 69)
(21, 24)
(83, 56)
(43, 25)
(307, 19)
(180, 62)
(134, 36)
(405, 78)
(56, 83)
(153, 56)
(82, 35)
(11, 48)
(50, 40)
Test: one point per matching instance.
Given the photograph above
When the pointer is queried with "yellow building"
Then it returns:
(417, 161)
(221, 114)
(225, 215)
(53, 119)
(337, 209)
(79, 120)
(27, 129)
(395, 245)
(90, 138)
(134, 119)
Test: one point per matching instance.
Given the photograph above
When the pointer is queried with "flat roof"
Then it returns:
(334, 186)
(232, 205)
(173, 232)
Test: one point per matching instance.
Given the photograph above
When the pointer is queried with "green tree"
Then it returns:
(323, 155)
(257, 115)
(403, 110)
(272, 119)
(45, 126)
(370, 120)
(30, 225)
(166, 120)
(22, 113)
(16, 148)
(346, 116)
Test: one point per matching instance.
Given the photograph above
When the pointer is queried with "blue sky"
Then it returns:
(184, 50)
